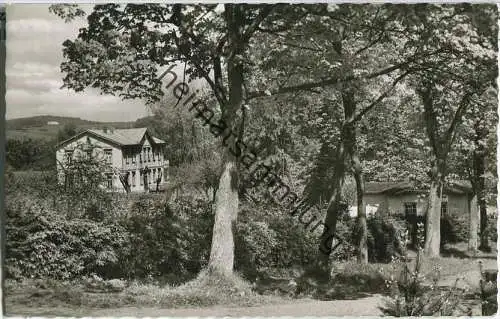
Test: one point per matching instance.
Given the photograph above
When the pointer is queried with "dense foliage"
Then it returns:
(326, 115)
(146, 236)
(47, 244)
(23, 154)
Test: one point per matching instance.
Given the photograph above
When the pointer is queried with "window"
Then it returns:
(68, 180)
(109, 181)
(141, 179)
(127, 158)
(149, 154)
(444, 208)
(410, 209)
(108, 156)
(158, 155)
(68, 156)
(154, 155)
(133, 179)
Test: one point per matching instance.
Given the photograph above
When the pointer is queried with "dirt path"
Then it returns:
(359, 307)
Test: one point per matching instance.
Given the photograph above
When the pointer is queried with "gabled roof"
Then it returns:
(120, 137)
(132, 136)
(405, 187)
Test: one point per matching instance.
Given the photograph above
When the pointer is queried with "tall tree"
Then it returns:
(123, 48)
(447, 85)
(474, 159)
(363, 48)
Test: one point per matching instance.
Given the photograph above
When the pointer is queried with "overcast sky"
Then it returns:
(34, 54)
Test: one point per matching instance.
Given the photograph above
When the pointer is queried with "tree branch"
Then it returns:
(369, 45)
(457, 118)
(430, 118)
(257, 21)
(382, 96)
(340, 79)
(323, 83)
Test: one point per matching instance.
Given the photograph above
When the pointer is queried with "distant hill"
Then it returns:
(38, 127)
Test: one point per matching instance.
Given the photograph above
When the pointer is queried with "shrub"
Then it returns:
(454, 228)
(367, 277)
(44, 244)
(267, 237)
(346, 227)
(166, 238)
(384, 237)
(413, 295)
(153, 239)
(492, 227)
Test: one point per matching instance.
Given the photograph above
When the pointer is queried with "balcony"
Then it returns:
(140, 165)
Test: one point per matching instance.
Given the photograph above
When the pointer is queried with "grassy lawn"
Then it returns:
(63, 298)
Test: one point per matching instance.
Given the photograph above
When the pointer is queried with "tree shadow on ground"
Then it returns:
(458, 253)
(343, 286)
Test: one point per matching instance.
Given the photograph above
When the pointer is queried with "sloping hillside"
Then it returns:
(38, 127)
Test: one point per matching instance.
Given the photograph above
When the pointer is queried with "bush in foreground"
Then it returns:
(415, 294)
(44, 244)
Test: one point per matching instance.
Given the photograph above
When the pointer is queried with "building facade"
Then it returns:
(133, 159)
(406, 199)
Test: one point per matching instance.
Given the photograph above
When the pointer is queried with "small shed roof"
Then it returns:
(406, 187)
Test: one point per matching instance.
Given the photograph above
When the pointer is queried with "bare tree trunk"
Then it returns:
(433, 220)
(346, 148)
(334, 210)
(484, 241)
(226, 210)
(479, 169)
(473, 224)
(226, 198)
(349, 136)
(362, 227)
(440, 147)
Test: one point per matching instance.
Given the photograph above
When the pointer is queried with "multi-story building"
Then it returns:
(133, 158)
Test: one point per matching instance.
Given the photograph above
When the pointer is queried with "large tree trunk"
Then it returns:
(440, 147)
(433, 220)
(473, 224)
(483, 231)
(479, 184)
(349, 137)
(346, 148)
(226, 210)
(334, 209)
(226, 199)
(362, 227)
